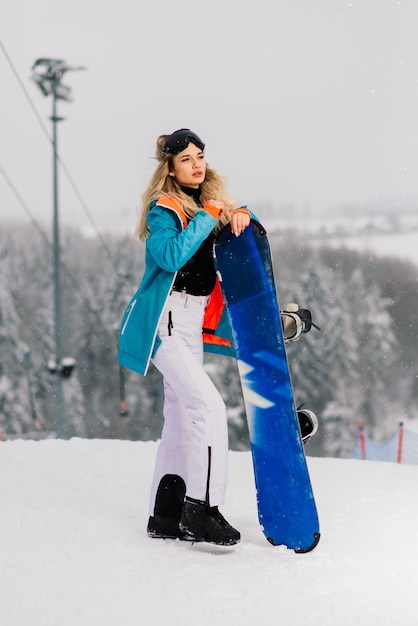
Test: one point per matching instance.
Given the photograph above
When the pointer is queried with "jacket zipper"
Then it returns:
(162, 310)
(158, 324)
(128, 316)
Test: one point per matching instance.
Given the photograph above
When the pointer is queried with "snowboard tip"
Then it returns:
(317, 537)
(299, 550)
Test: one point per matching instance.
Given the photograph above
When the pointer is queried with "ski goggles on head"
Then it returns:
(180, 139)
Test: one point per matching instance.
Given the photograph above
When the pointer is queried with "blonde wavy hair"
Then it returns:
(212, 188)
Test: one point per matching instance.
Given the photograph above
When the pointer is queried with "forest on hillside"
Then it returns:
(360, 365)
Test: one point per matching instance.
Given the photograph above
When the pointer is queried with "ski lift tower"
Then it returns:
(47, 74)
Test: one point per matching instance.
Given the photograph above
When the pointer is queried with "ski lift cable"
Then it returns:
(61, 162)
(44, 237)
(123, 410)
(24, 205)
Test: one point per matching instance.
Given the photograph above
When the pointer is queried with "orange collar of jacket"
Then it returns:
(170, 203)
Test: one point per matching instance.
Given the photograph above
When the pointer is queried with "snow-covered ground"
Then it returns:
(75, 552)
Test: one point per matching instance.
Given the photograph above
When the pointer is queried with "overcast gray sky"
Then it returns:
(303, 104)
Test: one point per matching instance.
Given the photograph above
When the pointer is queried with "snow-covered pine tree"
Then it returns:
(377, 345)
(15, 410)
(323, 363)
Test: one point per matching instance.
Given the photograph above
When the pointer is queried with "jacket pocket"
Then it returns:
(127, 316)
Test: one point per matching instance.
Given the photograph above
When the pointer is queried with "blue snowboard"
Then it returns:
(286, 506)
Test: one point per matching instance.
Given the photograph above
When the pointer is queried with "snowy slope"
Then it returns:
(75, 552)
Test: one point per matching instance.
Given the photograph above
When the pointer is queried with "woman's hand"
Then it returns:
(239, 221)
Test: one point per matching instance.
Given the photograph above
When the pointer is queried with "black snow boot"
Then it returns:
(199, 522)
(164, 524)
(308, 423)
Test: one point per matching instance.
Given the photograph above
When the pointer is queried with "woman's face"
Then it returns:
(189, 167)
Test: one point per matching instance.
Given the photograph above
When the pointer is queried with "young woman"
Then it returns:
(178, 309)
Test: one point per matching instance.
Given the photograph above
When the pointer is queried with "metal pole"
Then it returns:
(400, 443)
(59, 400)
(47, 74)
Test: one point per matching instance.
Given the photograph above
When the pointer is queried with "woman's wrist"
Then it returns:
(214, 208)
(242, 209)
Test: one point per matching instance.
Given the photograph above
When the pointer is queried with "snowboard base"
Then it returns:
(285, 501)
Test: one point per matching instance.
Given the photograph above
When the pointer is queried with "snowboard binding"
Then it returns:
(308, 424)
(296, 322)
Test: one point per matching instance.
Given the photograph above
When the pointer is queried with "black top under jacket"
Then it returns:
(198, 276)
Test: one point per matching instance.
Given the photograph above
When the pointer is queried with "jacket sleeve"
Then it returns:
(245, 209)
(170, 245)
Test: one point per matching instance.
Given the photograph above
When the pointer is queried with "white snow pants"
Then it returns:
(194, 440)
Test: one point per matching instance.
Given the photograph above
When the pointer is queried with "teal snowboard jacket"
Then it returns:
(171, 243)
